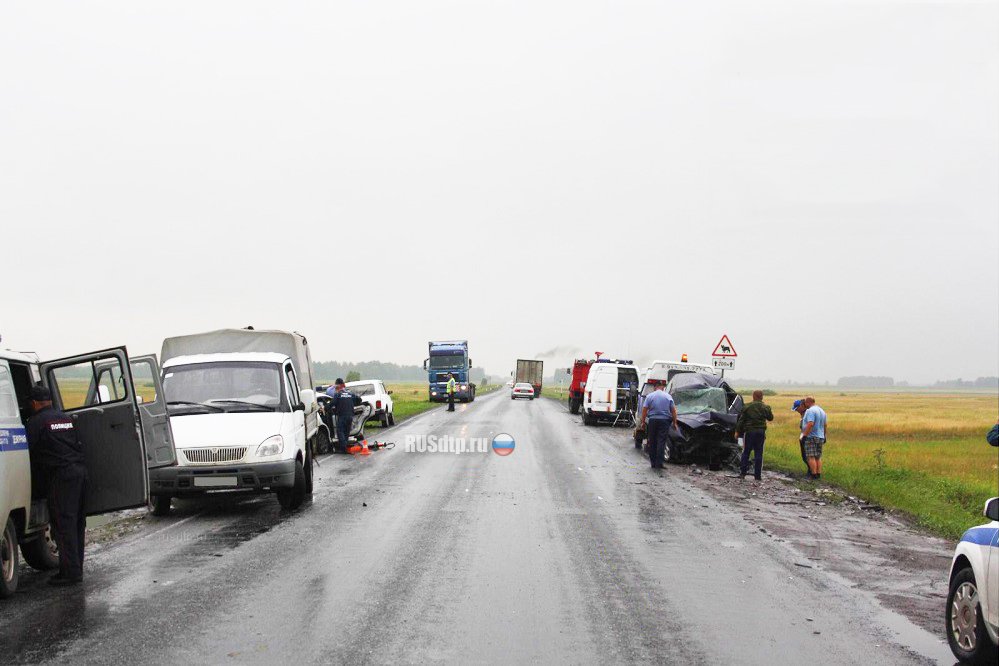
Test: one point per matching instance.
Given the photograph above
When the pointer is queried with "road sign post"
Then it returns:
(724, 354)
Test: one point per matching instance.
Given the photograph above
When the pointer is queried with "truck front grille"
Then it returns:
(224, 454)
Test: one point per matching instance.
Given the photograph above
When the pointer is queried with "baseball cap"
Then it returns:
(797, 404)
(39, 393)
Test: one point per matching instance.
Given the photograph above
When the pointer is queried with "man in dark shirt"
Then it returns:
(752, 424)
(343, 408)
(57, 453)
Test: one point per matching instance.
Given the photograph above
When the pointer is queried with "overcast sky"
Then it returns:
(819, 180)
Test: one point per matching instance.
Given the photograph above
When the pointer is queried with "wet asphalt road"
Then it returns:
(569, 550)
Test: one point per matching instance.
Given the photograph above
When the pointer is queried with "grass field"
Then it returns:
(410, 398)
(922, 453)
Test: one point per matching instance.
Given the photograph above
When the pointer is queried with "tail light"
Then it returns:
(378, 404)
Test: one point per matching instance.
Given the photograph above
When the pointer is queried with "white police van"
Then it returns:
(972, 614)
(115, 424)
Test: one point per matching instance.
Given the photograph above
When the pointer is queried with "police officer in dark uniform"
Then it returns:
(343, 409)
(57, 456)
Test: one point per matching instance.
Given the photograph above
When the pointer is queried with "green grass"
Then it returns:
(923, 454)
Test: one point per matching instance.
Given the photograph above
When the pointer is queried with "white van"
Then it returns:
(118, 423)
(243, 416)
(611, 392)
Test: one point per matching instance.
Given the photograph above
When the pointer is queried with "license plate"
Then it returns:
(215, 481)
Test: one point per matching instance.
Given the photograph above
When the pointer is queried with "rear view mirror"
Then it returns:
(389, 392)
(992, 509)
(307, 396)
(299, 407)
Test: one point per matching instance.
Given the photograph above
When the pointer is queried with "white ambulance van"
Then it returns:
(242, 416)
(116, 424)
(611, 391)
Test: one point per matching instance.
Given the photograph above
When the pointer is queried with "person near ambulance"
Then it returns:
(450, 392)
(57, 462)
(658, 413)
(343, 409)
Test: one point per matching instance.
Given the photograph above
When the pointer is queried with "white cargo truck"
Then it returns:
(123, 430)
(243, 416)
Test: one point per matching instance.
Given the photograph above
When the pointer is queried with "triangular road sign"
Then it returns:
(724, 348)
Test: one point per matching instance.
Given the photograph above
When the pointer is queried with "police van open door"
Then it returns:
(97, 392)
(153, 408)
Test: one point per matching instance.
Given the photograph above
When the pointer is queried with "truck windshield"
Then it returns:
(232, 386)
(447, 361)
(698, 401)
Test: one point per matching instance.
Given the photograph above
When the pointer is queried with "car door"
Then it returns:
(108, 423)
(992, 580)
(160, 451)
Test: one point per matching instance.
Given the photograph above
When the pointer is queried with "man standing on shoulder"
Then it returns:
(799, 406)
(658, 413)
(450, 392)
(57, 454)
(752, 424)
(813, 436)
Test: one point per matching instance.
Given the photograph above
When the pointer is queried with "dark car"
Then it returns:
(707, 409)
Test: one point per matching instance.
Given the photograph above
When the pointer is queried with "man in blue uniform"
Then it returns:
(343, 409)
(57, 454)
(658, 414)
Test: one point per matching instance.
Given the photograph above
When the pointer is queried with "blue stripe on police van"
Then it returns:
(13, 439)
(982, 536)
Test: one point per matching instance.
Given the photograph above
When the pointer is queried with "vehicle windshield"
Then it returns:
(447, 361)
(698, 401)
(361, 389)
(231, 386)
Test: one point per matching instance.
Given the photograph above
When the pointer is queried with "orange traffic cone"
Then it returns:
(353, 448)
(365, 451)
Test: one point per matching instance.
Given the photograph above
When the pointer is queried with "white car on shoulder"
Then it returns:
(522, 390)
(373, 392)
(972, 615)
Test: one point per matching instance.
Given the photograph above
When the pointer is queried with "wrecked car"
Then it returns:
(707, 409)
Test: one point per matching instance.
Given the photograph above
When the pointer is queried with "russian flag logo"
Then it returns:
(503, 444)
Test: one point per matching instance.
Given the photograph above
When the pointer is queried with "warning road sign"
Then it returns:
(724, 348)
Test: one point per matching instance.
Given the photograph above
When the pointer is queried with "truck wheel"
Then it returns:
(42, 552)
(322, 442)
(969, 641)
(309, 472)
(292, 498)
(9, 564)
(161, 504)
(573, 405)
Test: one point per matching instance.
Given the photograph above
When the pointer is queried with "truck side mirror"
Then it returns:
(307, 396)
(298, 407)
(425, 363)
(469, 362)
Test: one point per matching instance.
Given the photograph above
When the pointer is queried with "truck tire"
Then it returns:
(10, 566)
(292, 498)
(41, 553)
(588, 419)
(161, 504)
(574, 405)
(309, 472)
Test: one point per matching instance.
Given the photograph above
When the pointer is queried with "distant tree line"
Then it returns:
(865, 381)
(981, 382)
(327, 371)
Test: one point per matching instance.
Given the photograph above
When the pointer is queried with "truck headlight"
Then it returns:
(271, 446)
(433, 393)
(464, 388)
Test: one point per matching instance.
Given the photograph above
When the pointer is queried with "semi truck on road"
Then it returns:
(529, 372)
(449, 356)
